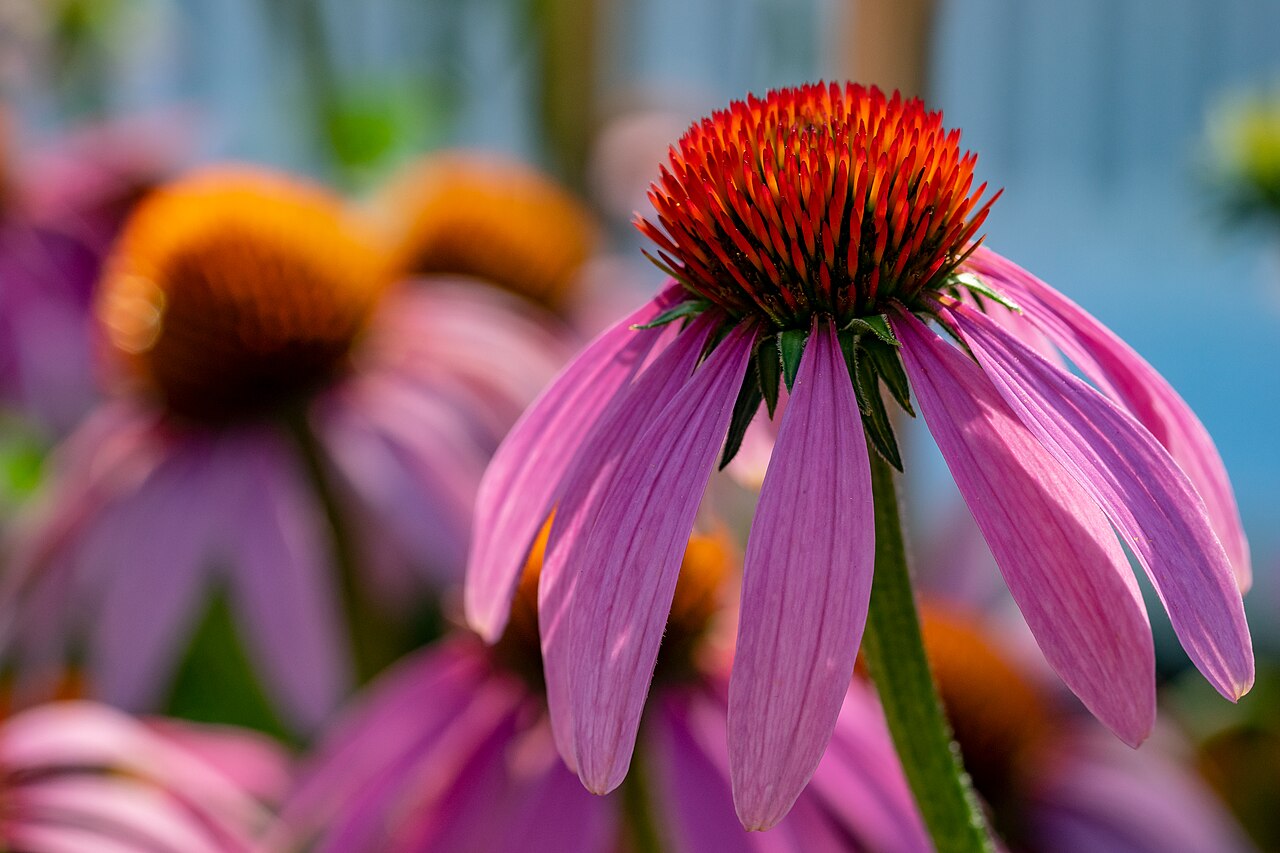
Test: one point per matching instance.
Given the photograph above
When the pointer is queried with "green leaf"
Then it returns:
(888, 365)
(691, 308)
(744, 409)
(875, 420)
(969, 281)
(769, 369)
(791, 344)
(876, 325)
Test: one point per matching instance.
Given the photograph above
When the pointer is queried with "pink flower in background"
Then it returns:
(812, 236)
(60, 208)
(77, 777)
(1052, 780)
(280, 411)
(453, 751)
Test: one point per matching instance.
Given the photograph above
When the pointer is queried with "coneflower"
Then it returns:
(489, 218)
(813, 237)
(270, 379)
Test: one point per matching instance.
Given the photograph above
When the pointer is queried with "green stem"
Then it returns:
(638, 808)
(894, 651)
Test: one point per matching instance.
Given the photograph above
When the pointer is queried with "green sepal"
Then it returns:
(791, 345)
(768, 367)
(969, 281)
(744, 409)
(875, 420)
(888, 365)
(876, 325)
(691, 308)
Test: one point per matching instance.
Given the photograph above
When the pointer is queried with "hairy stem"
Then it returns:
(894, 651)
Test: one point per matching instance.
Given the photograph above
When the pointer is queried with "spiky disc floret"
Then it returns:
(822, 199)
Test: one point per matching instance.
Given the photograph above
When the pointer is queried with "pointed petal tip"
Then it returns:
(760, 817)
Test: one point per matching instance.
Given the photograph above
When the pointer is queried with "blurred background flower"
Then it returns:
(79, 776)
(281, 440)
(454, 751)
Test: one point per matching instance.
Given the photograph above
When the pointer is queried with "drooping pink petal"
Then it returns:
(1059, 557)
(1133, 383)
(409, 458)
(1139, 486)
(522, 481)
(583, 487)
(120, 810)
(282, 586)
(149, 558)
(405, 709)
(66, 737)
(629, 562)
(805, 588)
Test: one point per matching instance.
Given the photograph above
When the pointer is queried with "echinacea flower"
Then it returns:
(271, 383)
(75, 776)
(485, 217)
(1052, 780)
(813, 235)
(60, 208)
(452, 751)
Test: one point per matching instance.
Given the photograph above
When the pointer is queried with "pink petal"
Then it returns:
(1133, 383)
(120, 809)
(861, 781)
(806, 585)
(1053, 545)
(522, 481)
(1141, 489)
(148, 559)
(583, 488)
(629, 563)
(282, 585)
(397, 718)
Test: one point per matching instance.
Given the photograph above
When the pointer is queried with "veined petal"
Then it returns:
(522, 481)
(806, 585)
(583, 488)
(1059, 557)
(629, 562)
(1139, 486)
(1133, 383)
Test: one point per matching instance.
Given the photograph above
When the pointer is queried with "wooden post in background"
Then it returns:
(885, 42)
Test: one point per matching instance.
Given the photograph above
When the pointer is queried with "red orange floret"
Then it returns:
(826, 198)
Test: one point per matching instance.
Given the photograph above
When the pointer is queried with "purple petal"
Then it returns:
(522, 481)
(1133, 383)
(282, 586)
(405, 710)
(149, 557)
(861, 781)
(1053, 545)
(629, 562)
(806, 585)
(1142, 490)
(691, 782)
(1104, 798)
(582, 490)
